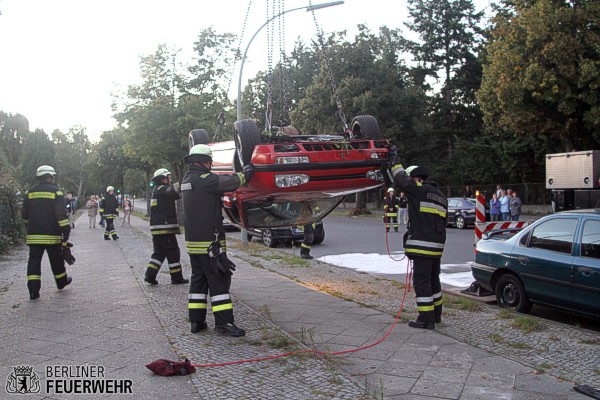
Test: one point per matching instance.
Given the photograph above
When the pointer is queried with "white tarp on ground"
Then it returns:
(394, 264)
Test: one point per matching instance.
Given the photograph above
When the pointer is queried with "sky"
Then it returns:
(62, 59)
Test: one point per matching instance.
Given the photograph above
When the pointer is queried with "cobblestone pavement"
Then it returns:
(564, 351)
(112, 317)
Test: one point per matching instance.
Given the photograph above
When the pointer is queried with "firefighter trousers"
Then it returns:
(207, 279)
(428, 289)
(34, 266)
(110, 229)
(165, 247)
(309, 237)
(393, 219)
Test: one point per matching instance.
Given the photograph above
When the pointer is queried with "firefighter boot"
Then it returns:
(305, 253)
(425, 320)
(180, 281)
(438, 314)
(151, 280)
(198, 326)
(67, 283)
(230, 330)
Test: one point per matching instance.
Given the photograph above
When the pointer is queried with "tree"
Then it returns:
(542, 73)
(13, 129)
(71, 153)
(37, 150)
(449, 36)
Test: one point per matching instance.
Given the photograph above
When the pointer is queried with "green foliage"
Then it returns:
(11, 225)
(542, 73)
(134, 182)
(37, 150)
(13, 129)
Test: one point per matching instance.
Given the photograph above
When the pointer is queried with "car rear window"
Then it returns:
(554, 235)
(590, 239)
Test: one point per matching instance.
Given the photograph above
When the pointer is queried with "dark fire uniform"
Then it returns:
(201, 191)
(427, 211)
(45, 214)
(108, 209)
(164, 227)
(391, 211)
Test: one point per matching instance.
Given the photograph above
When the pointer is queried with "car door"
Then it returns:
(545, 261)
(586, 270)
(453, 205)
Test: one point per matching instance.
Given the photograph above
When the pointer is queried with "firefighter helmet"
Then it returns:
(162, 172)
(109, 188)
(199, 153)
(415, 170)
(391, 190)
(44, 170)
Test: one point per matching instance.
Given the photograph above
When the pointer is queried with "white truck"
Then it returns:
(574, 179)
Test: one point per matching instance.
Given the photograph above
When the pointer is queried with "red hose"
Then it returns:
(327, 353)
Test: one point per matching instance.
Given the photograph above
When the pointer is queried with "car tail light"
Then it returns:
(374, 155)
(284, 181)
(292, 160)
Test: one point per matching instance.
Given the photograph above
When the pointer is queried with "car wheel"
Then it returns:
(198, 136)
(459, 222)
(267, 238)
(246, 136)
(365, 127)
(510, 293)
(319, 236)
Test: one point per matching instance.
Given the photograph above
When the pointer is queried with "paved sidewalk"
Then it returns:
(110, 317)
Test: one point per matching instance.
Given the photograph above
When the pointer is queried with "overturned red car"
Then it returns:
(298, 179)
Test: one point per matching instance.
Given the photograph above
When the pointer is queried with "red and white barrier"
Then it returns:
(481, 226)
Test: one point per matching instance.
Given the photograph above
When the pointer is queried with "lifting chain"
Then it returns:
(221, 116)
(284, 117)
(338, 102)
(269, 105)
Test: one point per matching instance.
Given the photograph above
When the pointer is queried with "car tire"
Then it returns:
(319, 236)
(510, 293)
(365, 127)
(198, 136)
(267, 238)
(246, 136)
(459, 222)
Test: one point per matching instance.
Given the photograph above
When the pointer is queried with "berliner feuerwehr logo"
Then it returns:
(22, 381)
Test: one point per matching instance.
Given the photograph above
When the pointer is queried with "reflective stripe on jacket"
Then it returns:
(163, 213)
(44, 211)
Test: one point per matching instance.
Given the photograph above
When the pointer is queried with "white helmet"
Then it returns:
(45, 170)
(199, 153)
(391, 190)
(161, 172)
(109, 188)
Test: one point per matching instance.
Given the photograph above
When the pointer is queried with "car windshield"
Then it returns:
(269, 214)
(459, 202)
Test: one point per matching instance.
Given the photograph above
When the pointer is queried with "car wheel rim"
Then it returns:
(511, 295)
(460, 223)
(266, 237)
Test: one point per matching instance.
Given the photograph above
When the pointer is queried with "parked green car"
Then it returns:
(553, 262)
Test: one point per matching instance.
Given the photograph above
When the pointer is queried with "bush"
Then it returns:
(12, 229)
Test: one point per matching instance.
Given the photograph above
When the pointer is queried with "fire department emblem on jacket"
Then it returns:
(23, 381)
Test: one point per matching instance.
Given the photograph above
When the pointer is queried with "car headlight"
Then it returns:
(284, 181)
(292, 160)
(468, 212)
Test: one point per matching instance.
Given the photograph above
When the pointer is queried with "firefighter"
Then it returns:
(391, 210)
(108, 210)
(309, 236)
(201, 191)
(48, 228)
(164, 227)
(426, 236)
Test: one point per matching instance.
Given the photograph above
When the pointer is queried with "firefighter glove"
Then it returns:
(248, 171)
(67, 255)
(227, 263)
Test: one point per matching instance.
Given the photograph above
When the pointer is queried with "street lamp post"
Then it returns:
(244, 235)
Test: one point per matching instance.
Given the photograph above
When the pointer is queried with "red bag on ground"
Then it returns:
(166, 367)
